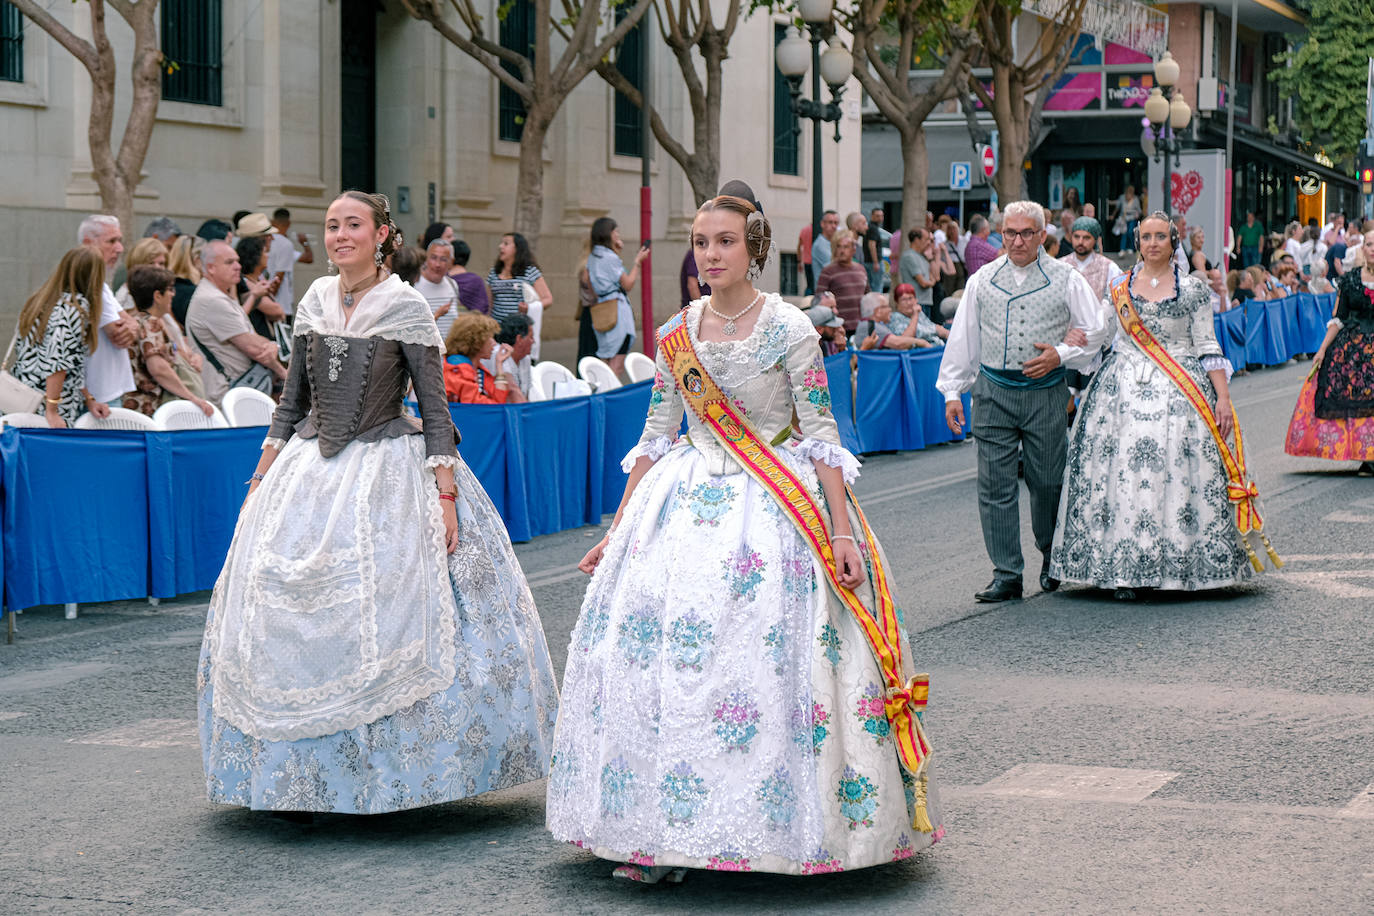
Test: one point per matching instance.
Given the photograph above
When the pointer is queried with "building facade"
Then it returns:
(286, 102)
(1094, 120)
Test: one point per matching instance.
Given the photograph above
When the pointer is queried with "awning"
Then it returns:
(1295, 158)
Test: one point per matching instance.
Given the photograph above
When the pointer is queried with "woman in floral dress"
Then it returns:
(721, 708)
(1334, 417)
(1145, 502)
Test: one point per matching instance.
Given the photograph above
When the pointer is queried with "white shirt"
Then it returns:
(1081, 264)
(108, 373)
(960, 365)
(281, 259)
(1294, 247)
(519, 371)
(445, 292)
(940, 238)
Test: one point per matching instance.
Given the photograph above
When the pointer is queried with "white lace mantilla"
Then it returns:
(732, 363)
(391, 310)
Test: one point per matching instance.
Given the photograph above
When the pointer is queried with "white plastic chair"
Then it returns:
(185, 415)
(601, 376)
(119, 418)
(248, 407)
(639, 367)
(542, 377)
(24, 421)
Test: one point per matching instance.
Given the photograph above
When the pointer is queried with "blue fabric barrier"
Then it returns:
(1230, 331)
(161, 514)
(1313, 314)
(1283, 326)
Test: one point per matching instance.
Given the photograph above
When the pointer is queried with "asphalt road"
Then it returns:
(1199, 753)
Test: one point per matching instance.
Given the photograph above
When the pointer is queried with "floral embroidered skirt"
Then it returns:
(1344, 385)
(721, 709)
(490, 728)
(1144, 503)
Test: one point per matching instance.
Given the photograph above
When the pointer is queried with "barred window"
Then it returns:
(192, 41)
(786, 152)
(11, 43)
(787, 279)
(517, 34)
(629, 139)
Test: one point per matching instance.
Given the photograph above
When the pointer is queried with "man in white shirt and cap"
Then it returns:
(1000, 346)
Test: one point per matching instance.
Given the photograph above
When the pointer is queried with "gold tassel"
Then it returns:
(1254, 558)
(921, 820)
(1273, 554)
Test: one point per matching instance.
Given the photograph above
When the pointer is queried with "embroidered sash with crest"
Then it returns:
(1240, 487)
(904, 701)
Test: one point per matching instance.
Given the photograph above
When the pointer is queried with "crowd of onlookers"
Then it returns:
(192, 316)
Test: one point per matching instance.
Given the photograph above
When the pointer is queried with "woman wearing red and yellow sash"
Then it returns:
(739, 692)
(1147, 499)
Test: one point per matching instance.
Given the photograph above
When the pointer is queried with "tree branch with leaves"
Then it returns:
(117, 172)
(1015, 97)
(542, 82)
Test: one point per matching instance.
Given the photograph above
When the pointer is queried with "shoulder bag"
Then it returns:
(15, 396)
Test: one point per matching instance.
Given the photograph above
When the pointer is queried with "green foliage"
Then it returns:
(1325, 76)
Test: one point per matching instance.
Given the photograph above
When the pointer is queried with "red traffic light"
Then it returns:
(1366, 175)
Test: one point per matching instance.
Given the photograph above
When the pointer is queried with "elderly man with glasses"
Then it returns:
(1004, 345)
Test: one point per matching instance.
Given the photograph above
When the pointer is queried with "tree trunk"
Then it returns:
(529, 192)
(915, 176)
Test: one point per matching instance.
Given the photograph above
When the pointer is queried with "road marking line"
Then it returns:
(149, 733)
(1326, 557)
(1352, 518)
(6, 716)
(1336, 582)
(1361, 805)
(1105, 784)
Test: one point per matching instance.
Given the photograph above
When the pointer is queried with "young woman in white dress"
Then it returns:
(721, 707)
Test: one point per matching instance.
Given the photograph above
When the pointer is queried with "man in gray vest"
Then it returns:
(1000, 346)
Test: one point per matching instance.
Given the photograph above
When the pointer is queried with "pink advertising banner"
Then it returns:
(1198, 192)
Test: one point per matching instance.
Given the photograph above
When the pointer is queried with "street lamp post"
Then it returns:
(834, 66)
(1168, 117)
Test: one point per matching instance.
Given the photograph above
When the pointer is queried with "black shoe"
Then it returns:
(1124, 594)
(1048, 583)
(1366, 469)
(1000, 590)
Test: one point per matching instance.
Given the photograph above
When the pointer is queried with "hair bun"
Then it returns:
(737, 188)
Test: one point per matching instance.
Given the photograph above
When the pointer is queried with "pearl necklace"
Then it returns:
(728, 328)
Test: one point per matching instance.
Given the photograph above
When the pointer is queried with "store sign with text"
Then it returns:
(1129, 90)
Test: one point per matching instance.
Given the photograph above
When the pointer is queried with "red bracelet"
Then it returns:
(448, 496)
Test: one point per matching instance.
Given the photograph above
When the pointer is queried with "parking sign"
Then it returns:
(960, 176)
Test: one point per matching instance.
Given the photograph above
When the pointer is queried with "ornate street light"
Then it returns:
(1168, 115)
(835, 66)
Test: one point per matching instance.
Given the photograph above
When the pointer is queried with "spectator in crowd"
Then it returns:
(821, 247)
(995, 235)
(282, 258)
(610, 280)
(1126, 211)
(146, 251)
(513, 340)
(857, 224)
(236, 219)
(218, 325)
(1292, 240)
(472, 292)
(255, 291)
(917, 271)
(979, 250)
(184, 263)
(405, 263)
(165, 230)
(803, 257)
(1287, 277)
(586, 298)
(934, 229)
(1250, 237)
(1073, 204)
(1335, 254)
(1319, 285)
(1090, 209)
(1197, 257)
(213, 230)
(828, 325)
(692, 288)
(436, 231)
(439, 290)
(154, 357)
(57, 334)
(910, 320)
(953, 255)
(875, 333)
(108, 368)
(472, 339)
(1240, 286)
(515, 269)
(847, 280)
